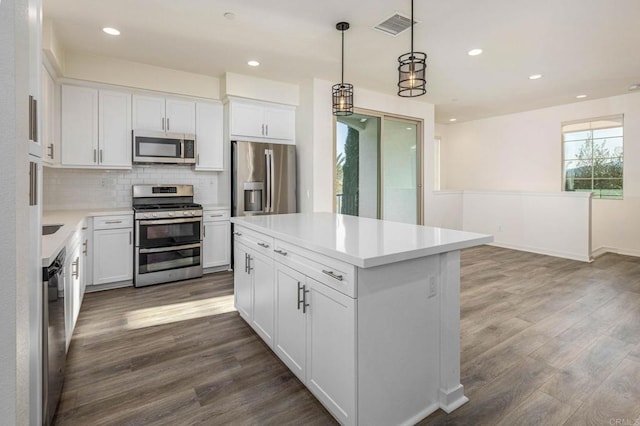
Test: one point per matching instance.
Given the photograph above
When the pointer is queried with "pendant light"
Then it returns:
(342, 92)
(411, 70)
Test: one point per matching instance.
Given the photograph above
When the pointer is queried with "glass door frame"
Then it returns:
(419, 123)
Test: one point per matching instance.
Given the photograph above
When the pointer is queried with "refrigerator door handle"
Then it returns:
(272, 180)
(267, 198)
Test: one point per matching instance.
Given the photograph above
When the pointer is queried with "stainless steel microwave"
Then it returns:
(161, 147)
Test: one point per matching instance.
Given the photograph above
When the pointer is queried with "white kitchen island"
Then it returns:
(365, 312)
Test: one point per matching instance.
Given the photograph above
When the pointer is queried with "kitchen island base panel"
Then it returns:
(405, 310)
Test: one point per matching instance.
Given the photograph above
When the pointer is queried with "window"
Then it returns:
(593, 156)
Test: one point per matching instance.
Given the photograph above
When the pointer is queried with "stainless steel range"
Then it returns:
(168, 234)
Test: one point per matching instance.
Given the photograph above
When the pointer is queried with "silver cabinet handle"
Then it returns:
(162, 123)
(113, 221)
(33, 183)
(238, 234)
(85, 247)
(266, 130)
(95, 155)
(75, 271)
(100, 156)
(130, 237)
(31, 118)
(198, 160)
(304, 299)
(281, 252)
(249, 268)
(204, 232)
(216, 215)
(246, 263)
(263, 245)
(50, 149)
(168, 126)
(300, 301)
(333, 275)
(263, 130)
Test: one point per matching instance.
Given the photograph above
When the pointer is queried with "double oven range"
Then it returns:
(168, 234)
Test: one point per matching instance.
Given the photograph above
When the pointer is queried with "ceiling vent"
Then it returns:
(395, 24)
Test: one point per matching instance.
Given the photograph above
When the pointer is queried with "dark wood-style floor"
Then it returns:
(545, 341)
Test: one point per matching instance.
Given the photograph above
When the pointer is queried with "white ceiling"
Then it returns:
(580, 46)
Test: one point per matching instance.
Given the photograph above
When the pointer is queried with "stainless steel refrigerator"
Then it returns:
(263, 178)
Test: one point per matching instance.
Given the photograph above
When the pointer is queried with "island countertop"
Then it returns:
(362, 242)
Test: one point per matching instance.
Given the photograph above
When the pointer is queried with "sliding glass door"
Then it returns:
(378, 167)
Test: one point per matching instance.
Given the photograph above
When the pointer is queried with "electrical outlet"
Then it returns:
(433, 287)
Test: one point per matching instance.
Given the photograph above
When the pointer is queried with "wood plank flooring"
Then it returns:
(545, 341)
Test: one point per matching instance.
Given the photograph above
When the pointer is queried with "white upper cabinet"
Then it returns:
(209, 137)
(96, 128)
(164, 114)
(114, 129)
(50, 134)
(79, 126)
(148, 113)
(261, 121)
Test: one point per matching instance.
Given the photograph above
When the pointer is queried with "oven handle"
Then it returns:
(173, 248)
(169, 221)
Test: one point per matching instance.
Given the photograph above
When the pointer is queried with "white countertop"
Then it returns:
(360, 241)
(71, 220)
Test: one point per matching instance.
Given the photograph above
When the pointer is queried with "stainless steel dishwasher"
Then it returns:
(53, 337)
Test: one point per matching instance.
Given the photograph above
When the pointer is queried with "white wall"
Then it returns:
(68, 189)
(522, 152)
(14, 261)
(137, 75)
(246, 86)
(304, 147)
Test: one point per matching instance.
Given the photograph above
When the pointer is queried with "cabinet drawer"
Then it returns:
(215, 215)
(113, 222)
(336, 274)
(256, 241)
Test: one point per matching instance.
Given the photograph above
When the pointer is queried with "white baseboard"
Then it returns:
(547, 252)
(421, 415)
(216, 269)
(625, 252)
(110, 286)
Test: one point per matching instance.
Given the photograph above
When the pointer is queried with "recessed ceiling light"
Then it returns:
(253, 63)
(581, 96)
(634, 87)
(474, 52)
(230, 16)
(111, 31)
(453, 120)
(409, 128)
(535, 76)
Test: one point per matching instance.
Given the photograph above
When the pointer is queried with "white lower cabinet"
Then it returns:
(315, 338)
(112, 249)
(254, 291)
(216, 243)
(74, 283)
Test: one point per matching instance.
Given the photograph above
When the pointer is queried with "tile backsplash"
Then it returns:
(69, 189)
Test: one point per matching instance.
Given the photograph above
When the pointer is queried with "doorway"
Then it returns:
(378, 167)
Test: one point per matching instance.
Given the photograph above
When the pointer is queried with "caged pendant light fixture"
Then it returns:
(411, 70)
(342, 92)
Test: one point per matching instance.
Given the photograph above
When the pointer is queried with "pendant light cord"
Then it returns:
(411, 29)
(342, 74)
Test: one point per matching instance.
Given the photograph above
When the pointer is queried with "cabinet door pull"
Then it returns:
(266, 130)
(304, 299)
(100, 156)
(204, 232)
(300, 301)
(85, 246)
(113, 221)
(130, 237)
(263, 130)
(245, 262)
(95, 155)
(333, 275)
(216, 215)
(281, 252)
(75, 267)
(162, 123)
(31, 119)
(249, 268)
(237, 234)
(168, 126)
(263, 245)
(50, 149)
(198, 160)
